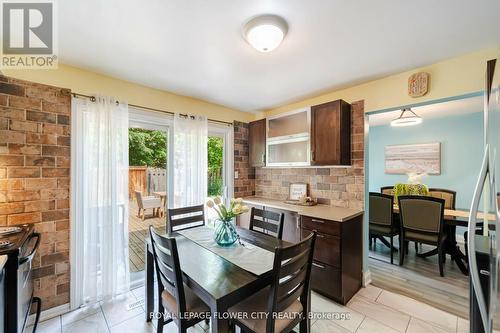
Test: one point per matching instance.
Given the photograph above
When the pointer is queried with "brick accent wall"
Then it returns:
(339, 186)
(34, 176)
(244, 185)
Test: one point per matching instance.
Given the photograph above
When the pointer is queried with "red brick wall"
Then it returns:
(34, 176)
(244, 185)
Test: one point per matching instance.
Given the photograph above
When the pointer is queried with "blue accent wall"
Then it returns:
(461, 140)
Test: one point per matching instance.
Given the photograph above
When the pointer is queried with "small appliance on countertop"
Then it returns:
(19, 246)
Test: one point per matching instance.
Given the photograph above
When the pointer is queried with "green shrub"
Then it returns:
(410, 189)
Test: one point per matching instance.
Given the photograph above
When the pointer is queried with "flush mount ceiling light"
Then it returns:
(406, 118)
(265, 32)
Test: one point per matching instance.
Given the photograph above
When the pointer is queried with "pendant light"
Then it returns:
(265, 32)
(406, 118)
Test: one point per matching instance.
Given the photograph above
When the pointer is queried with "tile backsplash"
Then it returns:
(337, 186)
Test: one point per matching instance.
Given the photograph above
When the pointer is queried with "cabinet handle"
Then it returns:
(263, 158)
(318, 265)
(317, 221)
(484, 272)
(298, 222)
(313, 155)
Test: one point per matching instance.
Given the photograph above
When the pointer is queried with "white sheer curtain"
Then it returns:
(100, 199)
(189, 160)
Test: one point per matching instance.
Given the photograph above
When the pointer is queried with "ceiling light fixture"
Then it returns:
(406, 118)
(265, 32)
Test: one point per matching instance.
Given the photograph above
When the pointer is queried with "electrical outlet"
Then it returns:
(236, 174)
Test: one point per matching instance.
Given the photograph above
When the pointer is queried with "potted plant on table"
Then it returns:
(225, 232)
(413, 187)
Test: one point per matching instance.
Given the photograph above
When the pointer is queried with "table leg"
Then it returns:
(452, 248)
(149, 290)
(218, 325)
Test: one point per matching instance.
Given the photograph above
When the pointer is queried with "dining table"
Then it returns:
(453, 218)
(217, 281)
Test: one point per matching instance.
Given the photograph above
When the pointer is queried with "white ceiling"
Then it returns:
(437, 110)
(195, 48)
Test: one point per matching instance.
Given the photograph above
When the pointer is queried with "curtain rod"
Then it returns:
(92, 98)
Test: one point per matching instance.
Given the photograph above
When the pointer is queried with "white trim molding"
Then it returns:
(49, 314)
(367, 278)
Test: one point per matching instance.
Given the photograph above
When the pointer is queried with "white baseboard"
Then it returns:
(49, 313)
(367, 278)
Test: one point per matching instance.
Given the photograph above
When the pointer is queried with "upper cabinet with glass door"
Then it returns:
(314, 136)
(288, 139)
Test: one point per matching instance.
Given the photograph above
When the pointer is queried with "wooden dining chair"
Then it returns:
(449, 196)
(422, 221)
(381, 218)
(267, 222)
(185, 307)
(288, 296)
(388, 190)
(185, 218)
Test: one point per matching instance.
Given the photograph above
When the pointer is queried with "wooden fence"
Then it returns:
(146, 180)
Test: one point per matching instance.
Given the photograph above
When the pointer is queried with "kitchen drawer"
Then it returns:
(326, 248)
(326, 280)
(321, 225)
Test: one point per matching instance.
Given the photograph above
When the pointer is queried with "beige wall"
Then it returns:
(87, 82)
(452, 77)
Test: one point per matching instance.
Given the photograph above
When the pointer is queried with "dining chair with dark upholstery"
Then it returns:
(288, 297)
(185, 218)
(267, 222)
(183, 306)
(449, 196)
(381, 218)
(422, 221)
(389, 190)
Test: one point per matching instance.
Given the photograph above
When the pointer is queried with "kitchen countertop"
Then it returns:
(3, 260)
(326, 212)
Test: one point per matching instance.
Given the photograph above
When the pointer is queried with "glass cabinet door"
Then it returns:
(293, 124)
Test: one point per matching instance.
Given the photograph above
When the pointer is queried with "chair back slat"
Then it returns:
(177, 218)
(294, 281)
(295, 264)
(267, 222)
(265, 226)
(292, 275)
(381, 209)
(186, 220)
(290, 297)
(168, 269)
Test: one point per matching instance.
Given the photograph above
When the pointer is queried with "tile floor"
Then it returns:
(372, 310)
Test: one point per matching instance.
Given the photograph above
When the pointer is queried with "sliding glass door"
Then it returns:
(148, 187)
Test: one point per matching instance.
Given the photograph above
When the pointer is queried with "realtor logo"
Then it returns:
(28, 34)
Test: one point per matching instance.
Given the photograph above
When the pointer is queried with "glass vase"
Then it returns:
(225, 233)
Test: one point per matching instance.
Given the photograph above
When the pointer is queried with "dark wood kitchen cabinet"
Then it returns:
(338, 255)
(257, 143)
(331, 133)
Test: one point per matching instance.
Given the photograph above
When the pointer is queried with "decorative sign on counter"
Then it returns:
(297, 191)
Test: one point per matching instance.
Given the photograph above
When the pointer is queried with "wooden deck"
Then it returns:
(138, 232)
(419, 279)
